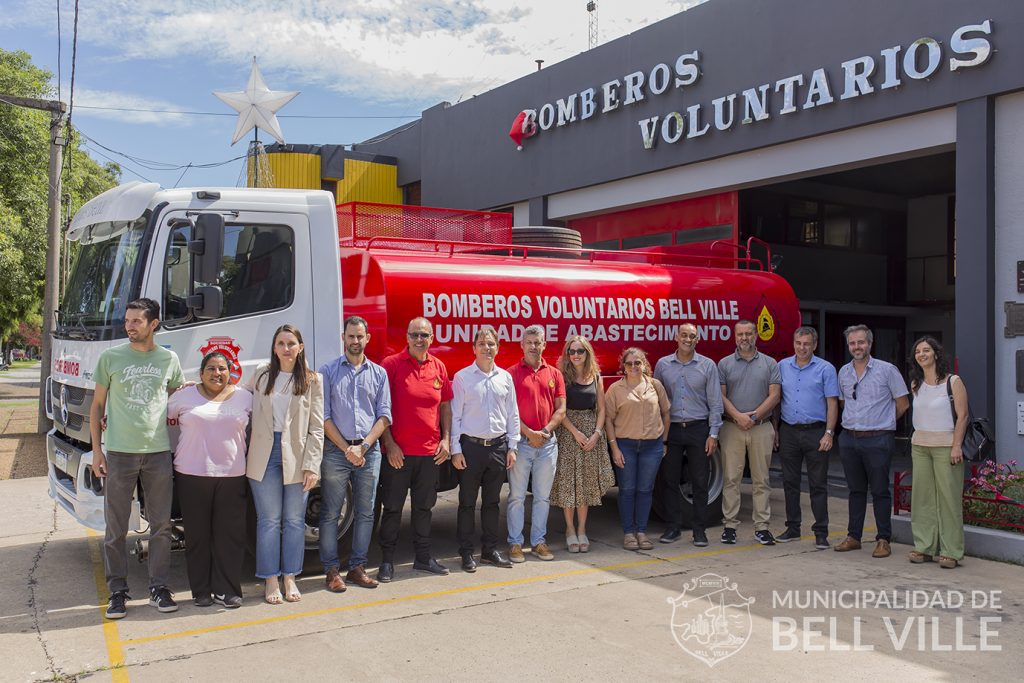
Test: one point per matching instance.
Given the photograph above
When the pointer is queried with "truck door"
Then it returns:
(265, 279)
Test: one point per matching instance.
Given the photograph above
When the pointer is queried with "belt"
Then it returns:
(691, 423)
(861, 434)
(353, 442)
(486, 442)
(756, 422)
(805, 425)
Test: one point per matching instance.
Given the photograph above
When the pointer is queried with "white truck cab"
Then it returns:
(274, 257)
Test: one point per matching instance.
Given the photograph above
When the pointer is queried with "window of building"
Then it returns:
(257, 272)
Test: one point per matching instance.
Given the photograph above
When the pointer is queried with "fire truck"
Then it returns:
(230, 265)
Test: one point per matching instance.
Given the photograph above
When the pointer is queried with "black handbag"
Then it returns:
(979, 441)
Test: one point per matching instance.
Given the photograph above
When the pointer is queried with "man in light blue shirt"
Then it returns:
(810, 408)
(874, 396)
(357, 410)
(692, 384)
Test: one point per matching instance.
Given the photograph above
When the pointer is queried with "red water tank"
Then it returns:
(612, 303)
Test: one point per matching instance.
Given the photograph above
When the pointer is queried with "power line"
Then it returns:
(220, 113)
(153, 165)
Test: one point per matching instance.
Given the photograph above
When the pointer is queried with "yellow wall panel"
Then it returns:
(294, 170)
(366, 181)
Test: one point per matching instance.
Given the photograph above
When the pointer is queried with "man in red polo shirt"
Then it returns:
(417, 443)
(540, 394)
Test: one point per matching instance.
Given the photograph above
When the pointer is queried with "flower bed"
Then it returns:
(992, 496)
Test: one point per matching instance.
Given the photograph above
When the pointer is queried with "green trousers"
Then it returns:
(936, 502)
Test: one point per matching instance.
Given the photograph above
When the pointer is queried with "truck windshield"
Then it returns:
(102, 280)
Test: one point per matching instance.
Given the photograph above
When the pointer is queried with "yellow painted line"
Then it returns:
(438, 594)
(115, 653)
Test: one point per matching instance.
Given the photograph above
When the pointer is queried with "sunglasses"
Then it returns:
(855, 385)
(419, 335)
(577, 352)
(632, 363)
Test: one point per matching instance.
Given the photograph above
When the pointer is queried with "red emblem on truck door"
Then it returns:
(229, 348)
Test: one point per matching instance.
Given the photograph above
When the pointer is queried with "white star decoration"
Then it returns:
(257, 106)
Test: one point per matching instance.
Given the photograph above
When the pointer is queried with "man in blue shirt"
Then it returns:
(874, 396)
(810, 407)
(692, 384)
(357, 410)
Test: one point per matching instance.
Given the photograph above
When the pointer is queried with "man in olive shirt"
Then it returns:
(132, 384)
(751, 388)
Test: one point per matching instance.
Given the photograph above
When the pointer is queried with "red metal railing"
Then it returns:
(998, 512)
(414, 227)
(453, 248)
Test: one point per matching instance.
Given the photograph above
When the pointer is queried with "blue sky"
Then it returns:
(380, 62)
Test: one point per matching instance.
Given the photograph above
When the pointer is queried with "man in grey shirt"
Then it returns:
(874, 396)
(692, 384)
(751, 388)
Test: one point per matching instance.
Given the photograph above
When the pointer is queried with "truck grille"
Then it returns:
(76, 395)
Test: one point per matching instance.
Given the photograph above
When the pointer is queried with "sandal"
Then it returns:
(272, 597)
(292, 593)
(947, 562)
(919, 558)
(572, 543)
(584, 543)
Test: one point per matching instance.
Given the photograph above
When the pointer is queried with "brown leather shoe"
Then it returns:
(882, 549)
(515, 553)
(359, 577)
(850, 543)
(542, 552)
(334, 582)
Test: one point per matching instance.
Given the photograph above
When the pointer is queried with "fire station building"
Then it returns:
(875, 148)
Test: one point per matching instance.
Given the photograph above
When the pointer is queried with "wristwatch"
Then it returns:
(830, 432)
(365, 446)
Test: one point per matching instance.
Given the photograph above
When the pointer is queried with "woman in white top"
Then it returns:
(283, 464)
(936, 498)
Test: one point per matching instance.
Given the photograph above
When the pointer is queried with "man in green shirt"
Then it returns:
(132, 384)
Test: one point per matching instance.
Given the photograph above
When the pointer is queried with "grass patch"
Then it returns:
(19, 364)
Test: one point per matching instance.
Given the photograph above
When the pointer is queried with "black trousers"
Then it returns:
(796, 447)
(484, 476)
(418, 475)
(214, 511)
(687, 443)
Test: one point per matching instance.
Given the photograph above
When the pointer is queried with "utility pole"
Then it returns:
(50, 292)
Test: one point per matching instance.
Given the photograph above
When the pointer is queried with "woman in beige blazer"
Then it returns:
(283, 462)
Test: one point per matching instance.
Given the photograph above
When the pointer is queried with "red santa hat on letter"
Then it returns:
(524, 126)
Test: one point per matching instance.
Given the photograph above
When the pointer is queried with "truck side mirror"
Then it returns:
(207, 302)
(207, 244)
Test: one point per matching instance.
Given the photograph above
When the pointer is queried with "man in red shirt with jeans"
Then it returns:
(540, 395)
(417, 443)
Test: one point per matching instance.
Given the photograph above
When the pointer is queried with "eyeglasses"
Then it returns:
(577, 352)
(419, 335)
(632, 363)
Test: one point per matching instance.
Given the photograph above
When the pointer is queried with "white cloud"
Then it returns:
(126, 107)
(413, 51)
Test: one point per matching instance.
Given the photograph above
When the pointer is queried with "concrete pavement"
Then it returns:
(598, 615)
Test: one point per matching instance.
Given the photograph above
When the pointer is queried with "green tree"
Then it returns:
(24, 184)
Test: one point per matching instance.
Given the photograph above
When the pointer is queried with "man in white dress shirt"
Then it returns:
(485, 434)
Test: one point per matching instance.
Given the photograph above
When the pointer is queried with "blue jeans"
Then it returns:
(280, 520)
(540, 463)
(636, 481)
(866, 463)
(336, 472)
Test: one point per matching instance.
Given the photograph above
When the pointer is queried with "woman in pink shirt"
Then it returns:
(209, 471)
